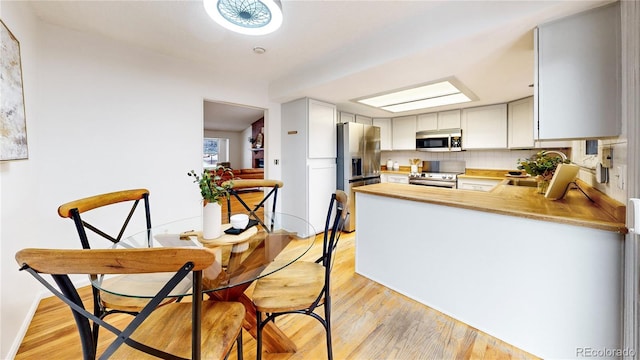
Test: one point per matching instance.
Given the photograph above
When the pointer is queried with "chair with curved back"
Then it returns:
(303, 286)
(106, 303)
(238, 185)
(180, 330)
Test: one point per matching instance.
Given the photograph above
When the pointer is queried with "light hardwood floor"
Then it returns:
(369, 322)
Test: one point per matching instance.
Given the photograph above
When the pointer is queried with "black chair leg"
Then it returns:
(259, 337)
(239, 346)
(327, 319)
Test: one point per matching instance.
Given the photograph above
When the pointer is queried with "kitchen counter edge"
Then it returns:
(519, 204)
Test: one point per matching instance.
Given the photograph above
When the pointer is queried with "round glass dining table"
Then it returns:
(266, 245)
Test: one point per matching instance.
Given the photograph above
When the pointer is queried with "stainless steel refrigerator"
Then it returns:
(358, 161)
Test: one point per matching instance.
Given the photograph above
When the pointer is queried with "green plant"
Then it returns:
(214, 184)
(542, 164)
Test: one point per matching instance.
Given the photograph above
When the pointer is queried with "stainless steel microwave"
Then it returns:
(439, 140)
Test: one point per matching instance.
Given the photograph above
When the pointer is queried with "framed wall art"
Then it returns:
(13, 126)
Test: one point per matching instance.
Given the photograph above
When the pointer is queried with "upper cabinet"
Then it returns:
(344, 117)
(403, 133)
(520, 124)
(578, 70)
(449, 119)
(385, 132)
(484, 127)
(309, 124)
(440, 120)
(323, 132)
(364, 120)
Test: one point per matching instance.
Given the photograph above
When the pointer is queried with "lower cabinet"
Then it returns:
(478, 184)
(394, 178)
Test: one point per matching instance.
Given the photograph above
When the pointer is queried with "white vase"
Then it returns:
(211, 221)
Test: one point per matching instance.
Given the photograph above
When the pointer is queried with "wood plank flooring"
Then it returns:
(369, 322)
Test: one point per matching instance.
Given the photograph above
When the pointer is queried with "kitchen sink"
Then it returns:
(522, 182)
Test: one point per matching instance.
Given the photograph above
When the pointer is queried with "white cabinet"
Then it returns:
(577, 78)
(520, 124)
(364, 120)
(308, 145)
(484, 127)
(438, 121)
(394, 178)
(477, 184)
(404, 133)
(345, 117)
(322, 183)
(427, 122)
(385, 132)
(322, 130)
(449, 119)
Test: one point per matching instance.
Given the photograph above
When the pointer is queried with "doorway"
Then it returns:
(233, 125)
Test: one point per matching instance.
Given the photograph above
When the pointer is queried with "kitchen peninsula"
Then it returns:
(543, 275)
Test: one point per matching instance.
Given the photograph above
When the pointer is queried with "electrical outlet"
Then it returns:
(621, 175)
(276, 161)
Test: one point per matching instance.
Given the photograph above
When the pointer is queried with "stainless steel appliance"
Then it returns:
(443, 174)
(439, 140)
(358, 161)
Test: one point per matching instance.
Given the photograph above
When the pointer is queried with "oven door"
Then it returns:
(433, 183)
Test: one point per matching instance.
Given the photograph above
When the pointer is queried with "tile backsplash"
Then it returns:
(475, 159)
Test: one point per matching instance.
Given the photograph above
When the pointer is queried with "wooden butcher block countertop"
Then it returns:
(574, 209)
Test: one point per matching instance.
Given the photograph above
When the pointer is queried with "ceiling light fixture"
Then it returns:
(249, 17)
(445, 92)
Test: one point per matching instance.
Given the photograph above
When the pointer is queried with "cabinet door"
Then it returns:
(485, 127)
(578, 75)
(322, 130)
(363, 120)
(322, 183)
(520, 123)
(428, 122)
(346, 117)
(477, 184)
(449, 119)
(404, 133)
(398, 179)
(385, 132)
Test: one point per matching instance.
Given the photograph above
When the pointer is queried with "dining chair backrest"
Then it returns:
(62, 263)
(74, 209)
(238, 185)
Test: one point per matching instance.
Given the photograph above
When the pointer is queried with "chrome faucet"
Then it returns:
(560, 153)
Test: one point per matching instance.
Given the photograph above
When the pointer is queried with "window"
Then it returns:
(215, 150)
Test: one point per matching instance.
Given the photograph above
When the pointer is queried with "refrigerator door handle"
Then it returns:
(635, 218)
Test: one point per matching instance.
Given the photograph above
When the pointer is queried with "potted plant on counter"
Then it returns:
(214, 187)
(542, 165)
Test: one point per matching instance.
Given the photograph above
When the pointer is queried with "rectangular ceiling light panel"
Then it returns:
(425, 96)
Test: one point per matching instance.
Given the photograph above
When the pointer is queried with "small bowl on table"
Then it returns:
(239, 221)
(515, 173)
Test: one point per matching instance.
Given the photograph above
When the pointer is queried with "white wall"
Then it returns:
(101, 116)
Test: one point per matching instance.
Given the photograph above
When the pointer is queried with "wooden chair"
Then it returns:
(200, 329)
(106, 303)
(303, 286)
(243, 184)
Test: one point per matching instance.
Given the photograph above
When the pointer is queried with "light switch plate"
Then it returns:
(605, 157)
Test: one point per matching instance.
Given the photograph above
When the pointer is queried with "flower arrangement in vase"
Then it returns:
(543, 165)
(214, 186)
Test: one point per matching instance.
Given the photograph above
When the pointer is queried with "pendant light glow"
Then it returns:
(249, 17)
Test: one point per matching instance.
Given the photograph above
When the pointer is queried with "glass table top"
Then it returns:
(258, 251)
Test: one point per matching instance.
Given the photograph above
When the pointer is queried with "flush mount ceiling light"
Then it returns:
(420, 97)
(249, 17)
